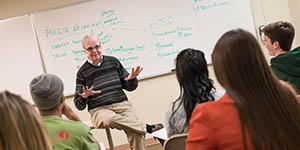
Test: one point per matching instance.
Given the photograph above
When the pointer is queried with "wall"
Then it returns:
(153, 95)
(286, 10)
(273, 14)
(294, 11)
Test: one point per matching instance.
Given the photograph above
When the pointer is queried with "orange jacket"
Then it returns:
(216, 126)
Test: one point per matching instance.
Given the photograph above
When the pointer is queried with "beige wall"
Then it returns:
(276, 10)
(153, 95)
(286, 10)
(294, 12)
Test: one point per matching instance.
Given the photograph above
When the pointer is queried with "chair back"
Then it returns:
(176, 142)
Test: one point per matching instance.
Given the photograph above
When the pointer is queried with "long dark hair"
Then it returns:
(267, 110)
(195, 85)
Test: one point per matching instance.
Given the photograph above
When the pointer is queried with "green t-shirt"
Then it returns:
(69, 135)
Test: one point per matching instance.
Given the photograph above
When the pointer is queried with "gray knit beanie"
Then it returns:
(46, 91)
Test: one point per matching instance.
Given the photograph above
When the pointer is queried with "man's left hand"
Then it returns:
(134, 73)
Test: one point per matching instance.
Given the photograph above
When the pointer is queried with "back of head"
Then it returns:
(238, 60)
(192, 76)
(46, 91)
(190, 66)
(21, 127)
(267, 109)
(280, 31)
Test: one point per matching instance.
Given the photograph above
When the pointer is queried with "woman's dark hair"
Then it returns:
(267, 110)
(195, 85)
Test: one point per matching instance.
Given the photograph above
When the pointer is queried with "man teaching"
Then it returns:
(99, 85)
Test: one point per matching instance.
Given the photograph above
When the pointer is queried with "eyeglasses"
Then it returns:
(92, 48)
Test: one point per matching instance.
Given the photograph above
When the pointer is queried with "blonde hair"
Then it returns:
(21, 127)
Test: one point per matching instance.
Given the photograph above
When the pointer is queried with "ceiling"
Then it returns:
(13, 8)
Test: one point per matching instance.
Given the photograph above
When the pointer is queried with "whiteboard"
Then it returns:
(20, 60)
(149, 33)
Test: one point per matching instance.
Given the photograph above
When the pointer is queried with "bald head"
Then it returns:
(89, 38)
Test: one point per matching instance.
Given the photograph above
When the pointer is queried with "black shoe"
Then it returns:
(154, 127)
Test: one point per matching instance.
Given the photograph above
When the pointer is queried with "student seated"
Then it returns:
(195, 88)
(47, 94)
(278, 38)
(21, 127)
(257, 111)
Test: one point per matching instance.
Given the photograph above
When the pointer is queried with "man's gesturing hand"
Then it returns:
(134, 73)
(88, 91)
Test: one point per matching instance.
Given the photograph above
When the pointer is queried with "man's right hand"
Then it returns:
(88, 91)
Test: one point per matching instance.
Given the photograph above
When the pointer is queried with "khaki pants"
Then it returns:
(121, 116)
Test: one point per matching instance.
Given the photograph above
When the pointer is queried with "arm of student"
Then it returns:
(200, 135)
(69, 113)
(96, 141)
(170, 131)
(91, 142)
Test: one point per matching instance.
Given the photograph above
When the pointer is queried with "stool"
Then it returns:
(107, 130)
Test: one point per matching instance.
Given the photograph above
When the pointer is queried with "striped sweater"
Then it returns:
(108, 77)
